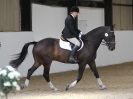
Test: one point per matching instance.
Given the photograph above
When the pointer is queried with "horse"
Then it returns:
(47, 50)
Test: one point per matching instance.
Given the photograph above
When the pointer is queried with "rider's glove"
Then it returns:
(80, 34)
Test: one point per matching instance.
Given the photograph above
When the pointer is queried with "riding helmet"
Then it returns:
(74, 9)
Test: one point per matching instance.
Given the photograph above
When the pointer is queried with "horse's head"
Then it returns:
(104, 33)
(109, 39)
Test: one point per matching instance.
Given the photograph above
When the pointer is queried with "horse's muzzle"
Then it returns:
(111, 47)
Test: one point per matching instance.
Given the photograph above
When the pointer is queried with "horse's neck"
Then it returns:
(95, 36)
(94, 41)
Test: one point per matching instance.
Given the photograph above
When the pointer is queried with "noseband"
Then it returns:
(107, 43)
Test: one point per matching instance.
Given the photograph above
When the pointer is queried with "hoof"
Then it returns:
(55, 89)
(71, 85)
(22, 86)
(103, 87)
(67, 88)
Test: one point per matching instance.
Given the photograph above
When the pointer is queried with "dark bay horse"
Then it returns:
(48, 49)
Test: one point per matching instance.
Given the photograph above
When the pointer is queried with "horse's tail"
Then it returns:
(21, 56)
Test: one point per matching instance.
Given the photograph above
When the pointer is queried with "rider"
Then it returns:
(71, 32)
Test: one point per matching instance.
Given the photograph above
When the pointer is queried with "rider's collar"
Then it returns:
(72, 16)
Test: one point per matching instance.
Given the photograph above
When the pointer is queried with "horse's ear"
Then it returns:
(112, 27)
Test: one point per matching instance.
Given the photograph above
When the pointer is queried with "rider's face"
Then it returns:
(75, 14)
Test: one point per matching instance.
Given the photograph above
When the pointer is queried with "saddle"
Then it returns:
(65, 44)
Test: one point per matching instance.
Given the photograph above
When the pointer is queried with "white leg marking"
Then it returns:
(73, 84)
(52, 86)
(27, 82)
(100, 83)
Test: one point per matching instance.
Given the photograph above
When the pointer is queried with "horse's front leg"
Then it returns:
(80, 74)
(96, 74)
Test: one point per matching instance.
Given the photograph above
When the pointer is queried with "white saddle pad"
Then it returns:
(67, 45)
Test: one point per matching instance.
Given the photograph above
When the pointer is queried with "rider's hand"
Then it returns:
(80, 34)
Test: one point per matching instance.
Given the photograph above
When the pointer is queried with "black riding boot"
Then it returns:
(72, 54)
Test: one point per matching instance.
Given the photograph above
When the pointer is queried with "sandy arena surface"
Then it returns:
(117, 78)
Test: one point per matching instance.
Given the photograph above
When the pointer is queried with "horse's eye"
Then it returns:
(106, 34)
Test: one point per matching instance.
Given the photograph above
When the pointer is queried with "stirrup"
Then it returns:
(72, 60)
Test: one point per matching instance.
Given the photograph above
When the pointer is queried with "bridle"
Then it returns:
(107, 43)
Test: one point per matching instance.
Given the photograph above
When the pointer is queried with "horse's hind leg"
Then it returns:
(94, 70)
(30, 72)
(46, 76)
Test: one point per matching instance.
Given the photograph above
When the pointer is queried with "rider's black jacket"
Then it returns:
(70, 30)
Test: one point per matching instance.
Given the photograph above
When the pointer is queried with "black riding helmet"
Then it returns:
(74, 9)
